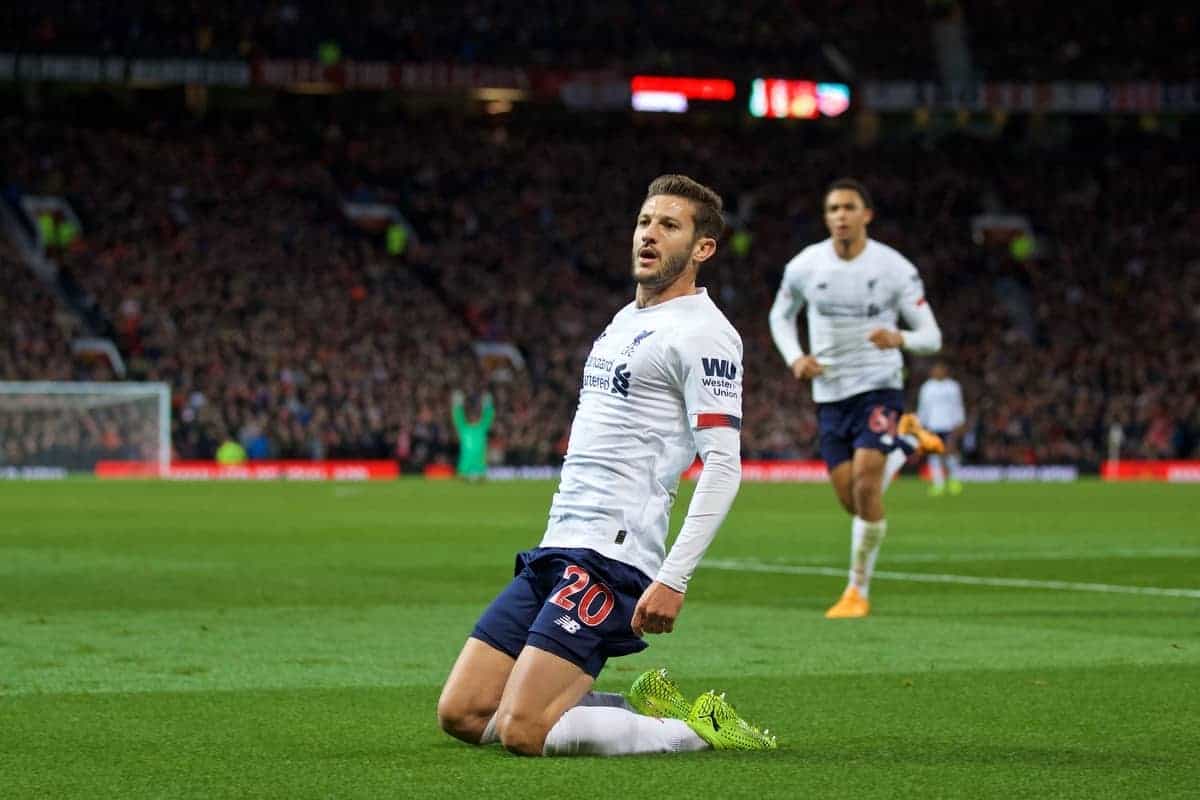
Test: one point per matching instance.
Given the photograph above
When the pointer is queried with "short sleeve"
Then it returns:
(710, 363)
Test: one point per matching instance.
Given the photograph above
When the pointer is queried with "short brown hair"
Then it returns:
(709, 219)
(852, 185)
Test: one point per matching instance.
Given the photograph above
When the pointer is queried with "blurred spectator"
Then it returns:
(222, 257)
(1009, 40)
(231, 453)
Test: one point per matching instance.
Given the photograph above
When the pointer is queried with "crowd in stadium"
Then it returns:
(1023, 40)
(223, 261)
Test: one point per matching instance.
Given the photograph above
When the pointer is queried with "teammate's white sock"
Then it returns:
(609, 699)
(895, 462)
(865, 538)
(952, 464)
(489, 735)
(936, 472)
(600, 731)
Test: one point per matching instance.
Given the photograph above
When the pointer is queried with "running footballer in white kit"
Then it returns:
(941, 409)
(857, 290)
(662, 383)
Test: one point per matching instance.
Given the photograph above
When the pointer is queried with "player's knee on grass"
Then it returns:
(461, 721)
(521, 733)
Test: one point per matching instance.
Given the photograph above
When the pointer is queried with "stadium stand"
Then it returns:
(225, 266)
(1005, 40)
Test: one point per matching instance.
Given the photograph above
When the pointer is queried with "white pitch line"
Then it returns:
(1045, 555)
(968, 580)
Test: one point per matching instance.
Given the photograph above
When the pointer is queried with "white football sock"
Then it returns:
(952, 464)
(601, 731)
(489, 735)
(895, 462)
(936, 472)
(865, 538)
(591, 699)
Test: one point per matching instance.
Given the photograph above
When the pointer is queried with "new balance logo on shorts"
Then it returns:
(567, 624)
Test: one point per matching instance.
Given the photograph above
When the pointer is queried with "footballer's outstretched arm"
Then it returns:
(660, 604)
(720, 479)
(923, 337)
(782, 319)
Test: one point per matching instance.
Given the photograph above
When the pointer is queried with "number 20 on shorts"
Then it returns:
(596, 593)
(883, 421)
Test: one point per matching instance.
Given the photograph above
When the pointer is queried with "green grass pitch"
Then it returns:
(162, 640)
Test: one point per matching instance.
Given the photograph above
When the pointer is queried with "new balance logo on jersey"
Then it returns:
(628, 351)
(567, 624)
(620, 380)
(719, 368)
(871, 285)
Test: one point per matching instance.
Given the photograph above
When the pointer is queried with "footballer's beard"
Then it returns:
(672, 268)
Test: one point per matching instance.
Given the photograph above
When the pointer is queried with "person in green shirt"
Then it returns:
(472, 436)
(231, 453)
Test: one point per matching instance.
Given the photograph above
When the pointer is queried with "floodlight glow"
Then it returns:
(833, 99)
(788, 99)
(720, 89)
(672, 102)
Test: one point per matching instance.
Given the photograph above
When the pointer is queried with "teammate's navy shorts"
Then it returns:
(949, 437)
(572, 602)
(865, 421)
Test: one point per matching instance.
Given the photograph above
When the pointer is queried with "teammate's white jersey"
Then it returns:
(940, 405)
(653, 377)
(847, 300)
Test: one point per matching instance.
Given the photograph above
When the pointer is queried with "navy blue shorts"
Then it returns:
(865, 421)
(949, 437)
(572, 602)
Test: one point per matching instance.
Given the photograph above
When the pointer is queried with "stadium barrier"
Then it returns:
(253, 470)
(756, 471)
(1170, 471)
(1000, 473)
(9, 473)
(752, 471)
(775, 471)
(796, 471)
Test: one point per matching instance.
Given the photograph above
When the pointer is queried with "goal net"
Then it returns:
(72, 426)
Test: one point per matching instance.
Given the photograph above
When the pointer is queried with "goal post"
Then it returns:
(72, 426)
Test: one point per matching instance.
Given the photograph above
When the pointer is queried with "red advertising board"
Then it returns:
(1171, 471)
(775, 471)
(253, 470)
(721, 89)
(768, 471)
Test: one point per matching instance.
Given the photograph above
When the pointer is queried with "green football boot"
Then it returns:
(715, 721)
(656, 695)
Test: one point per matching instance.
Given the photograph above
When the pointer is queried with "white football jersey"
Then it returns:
(940, 405)
(847, 300)
(653, 377)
